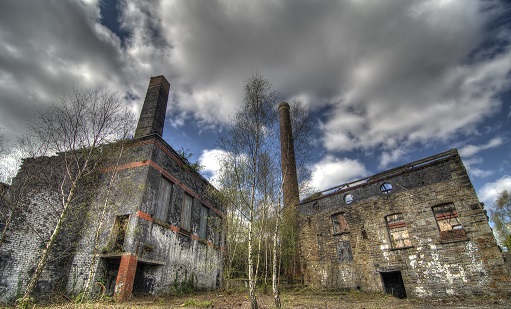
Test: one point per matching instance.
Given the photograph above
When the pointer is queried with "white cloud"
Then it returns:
(210, 159)
(489, 192)
(395, 155)
(331, 171)
(387, 73)
(479, 173)
(470, 150)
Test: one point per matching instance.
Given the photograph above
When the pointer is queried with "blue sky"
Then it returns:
(389, 82)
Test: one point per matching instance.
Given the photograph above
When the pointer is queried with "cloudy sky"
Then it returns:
(389, 82)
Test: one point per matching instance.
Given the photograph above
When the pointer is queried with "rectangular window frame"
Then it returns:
(339, 223)
(186, 212)
(203, 223)
(165, 195)
(397, 229)
(344, 252)
(449, 226)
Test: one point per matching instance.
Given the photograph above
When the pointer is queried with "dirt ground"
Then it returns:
(292, 299)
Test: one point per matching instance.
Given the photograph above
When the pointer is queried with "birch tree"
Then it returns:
(250, 172)
(75, 129)
(246, 143)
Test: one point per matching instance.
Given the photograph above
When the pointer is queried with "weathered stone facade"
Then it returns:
(150, 226)
(418, 230)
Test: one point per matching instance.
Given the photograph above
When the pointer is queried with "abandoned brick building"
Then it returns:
(417, 230)
(162, 228)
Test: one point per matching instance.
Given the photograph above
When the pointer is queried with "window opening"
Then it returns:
(448, 223)
(203, 221)
(364, 233)
(164, 199)
(344, 251)
(398, 232)
(339, 223)
(186, 213)
(216, 223)
(119, 233)
(386, 188)
(348, 198)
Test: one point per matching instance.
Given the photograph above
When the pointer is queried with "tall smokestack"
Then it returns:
(152, 117)
(288, 162)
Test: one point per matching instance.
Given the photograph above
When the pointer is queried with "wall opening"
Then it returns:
(344, 253)
(144, 279)
(448, 223)
(339, 223)
(119, 233)
(109, 274)
(398, 232)
(393, 284)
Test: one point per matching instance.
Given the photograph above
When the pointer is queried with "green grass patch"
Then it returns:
(198, 304)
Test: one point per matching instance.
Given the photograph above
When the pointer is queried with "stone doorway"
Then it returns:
(393, 283)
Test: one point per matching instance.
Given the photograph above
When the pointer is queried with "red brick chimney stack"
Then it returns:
(288, 162)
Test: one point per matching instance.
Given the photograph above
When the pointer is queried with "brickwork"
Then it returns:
(167, 255)
(128, 231)
(466, 262)
(31, 226)
(125, 277)
(152, 117)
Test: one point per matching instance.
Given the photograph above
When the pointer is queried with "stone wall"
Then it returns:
(393, 230)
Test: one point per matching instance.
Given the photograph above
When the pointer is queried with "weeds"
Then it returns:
(198, 304)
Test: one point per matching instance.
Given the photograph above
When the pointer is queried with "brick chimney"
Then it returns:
(288, 162)
(152, 117)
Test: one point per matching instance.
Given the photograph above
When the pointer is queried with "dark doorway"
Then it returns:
(144, 279)
(109, 275)
(393, 283)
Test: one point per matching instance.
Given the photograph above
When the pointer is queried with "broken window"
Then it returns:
(203, 221)
(348, 198)
(448, 224)
(186, 212)
(119, 233)
(344, 251)
(386, 188)
(339, 223)
(164, 200)
(398, 232)
(215, 227)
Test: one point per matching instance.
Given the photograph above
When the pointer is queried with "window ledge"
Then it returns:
(184, 232)
(401, 248)
(341, 233)
(453, 241)
(162, 223)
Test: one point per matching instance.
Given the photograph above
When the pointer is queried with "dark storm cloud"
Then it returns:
(389, 74)
(47, 48)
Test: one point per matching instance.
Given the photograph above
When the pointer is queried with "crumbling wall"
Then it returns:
(34, 220)
(397, 231)
(166, 255)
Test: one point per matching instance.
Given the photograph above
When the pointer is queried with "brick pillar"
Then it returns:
(152, 116)
(125, 277)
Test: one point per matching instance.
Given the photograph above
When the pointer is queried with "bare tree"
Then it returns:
(75, 129)
(247, 142)
(251, 173)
